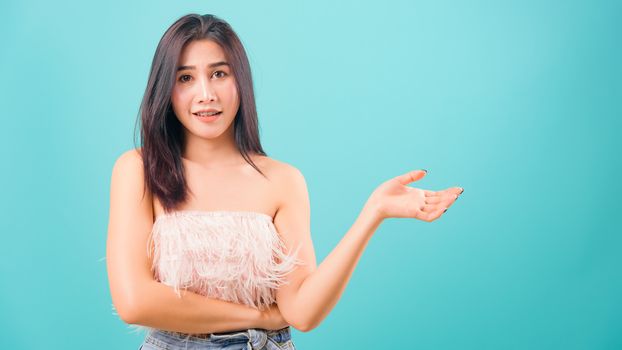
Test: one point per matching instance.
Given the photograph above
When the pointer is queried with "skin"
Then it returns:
(220, 179)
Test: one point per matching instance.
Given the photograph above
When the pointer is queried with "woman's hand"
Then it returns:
(394, 199)
(271, 319)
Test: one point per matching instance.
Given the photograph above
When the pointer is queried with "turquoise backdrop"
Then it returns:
(519, 102)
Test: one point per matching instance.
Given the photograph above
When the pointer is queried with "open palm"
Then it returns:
(394, 199)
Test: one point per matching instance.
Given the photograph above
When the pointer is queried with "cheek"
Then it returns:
(178, 99)
(232, 93)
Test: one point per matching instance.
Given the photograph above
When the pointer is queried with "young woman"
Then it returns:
(209, 240)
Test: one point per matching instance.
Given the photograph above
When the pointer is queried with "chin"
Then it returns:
(208, 135)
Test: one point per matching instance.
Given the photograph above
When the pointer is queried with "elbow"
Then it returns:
(302, 324)
(129, 315)
(305, 327)
(128, 309)
(301, 318)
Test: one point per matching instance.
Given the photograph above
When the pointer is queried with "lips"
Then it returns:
(207, 113)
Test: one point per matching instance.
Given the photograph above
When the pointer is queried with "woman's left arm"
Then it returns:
(311, 292)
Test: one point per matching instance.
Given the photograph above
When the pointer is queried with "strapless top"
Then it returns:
(235, 256)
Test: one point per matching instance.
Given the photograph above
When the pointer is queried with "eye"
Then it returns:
(184, 78)
(219, 74)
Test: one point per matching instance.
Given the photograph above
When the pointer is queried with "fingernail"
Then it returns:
(462, 191)
(445, 210)
(425, 171)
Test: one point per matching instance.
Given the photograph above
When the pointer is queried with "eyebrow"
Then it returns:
(211, 65)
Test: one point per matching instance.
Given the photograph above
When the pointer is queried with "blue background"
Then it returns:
(519, 102)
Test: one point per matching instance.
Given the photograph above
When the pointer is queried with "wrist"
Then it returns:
(372, 215)
(263, 318)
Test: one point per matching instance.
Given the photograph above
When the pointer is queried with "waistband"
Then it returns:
(254, 338)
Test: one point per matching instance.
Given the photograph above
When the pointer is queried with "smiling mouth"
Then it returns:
(207, 114)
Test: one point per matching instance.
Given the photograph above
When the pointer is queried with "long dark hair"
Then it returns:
(162, 135)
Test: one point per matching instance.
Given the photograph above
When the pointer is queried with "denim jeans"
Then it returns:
(250, 339)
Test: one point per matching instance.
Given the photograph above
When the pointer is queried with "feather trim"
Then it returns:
(233, 256)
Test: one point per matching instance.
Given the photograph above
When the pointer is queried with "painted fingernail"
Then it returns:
(445, 210)
(462, 191)
(425, 171)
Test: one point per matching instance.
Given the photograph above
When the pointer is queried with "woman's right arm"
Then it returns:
(140, 299)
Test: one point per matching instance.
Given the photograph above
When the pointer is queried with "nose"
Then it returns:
(206, 94)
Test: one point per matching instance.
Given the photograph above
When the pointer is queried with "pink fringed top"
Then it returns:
(234, 256)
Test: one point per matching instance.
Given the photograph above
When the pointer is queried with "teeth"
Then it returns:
(206, 114)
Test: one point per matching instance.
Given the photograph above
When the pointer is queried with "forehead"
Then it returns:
(201, 51)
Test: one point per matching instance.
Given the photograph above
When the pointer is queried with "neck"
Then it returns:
(210, 153)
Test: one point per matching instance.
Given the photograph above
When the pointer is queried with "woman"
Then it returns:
(209, 239)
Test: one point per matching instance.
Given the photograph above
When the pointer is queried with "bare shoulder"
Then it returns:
(128, 174)
(288, 181)
(129, 199)
(129, 162)
(128, 168)
(282, 172)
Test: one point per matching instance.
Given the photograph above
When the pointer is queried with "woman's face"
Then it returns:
(205, 97)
